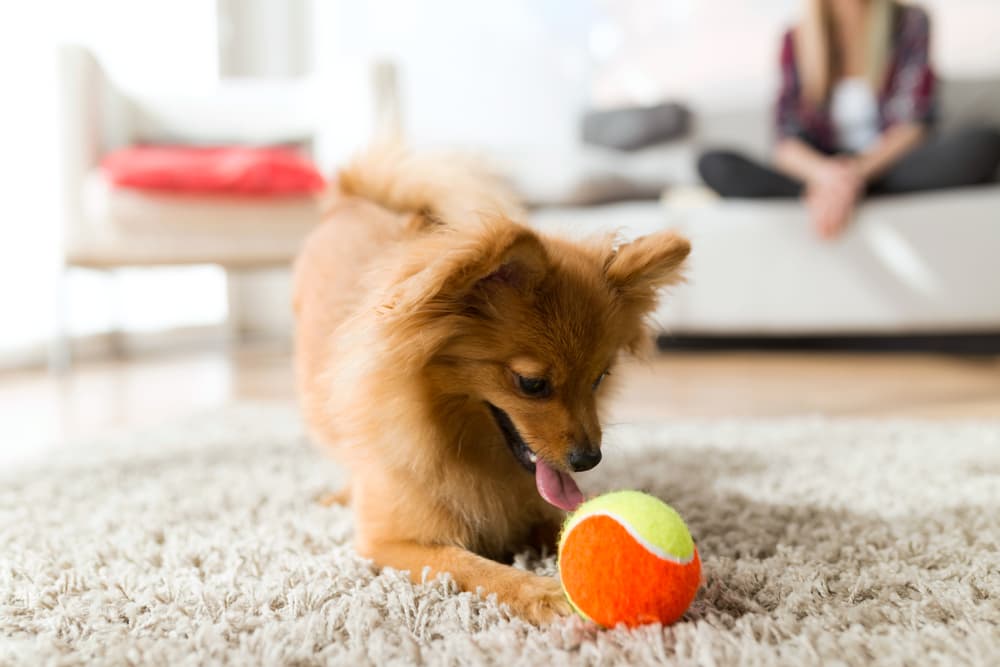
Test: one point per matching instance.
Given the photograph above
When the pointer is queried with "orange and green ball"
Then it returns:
(627, 557)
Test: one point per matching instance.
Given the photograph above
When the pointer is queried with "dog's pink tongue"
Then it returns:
(557, 487)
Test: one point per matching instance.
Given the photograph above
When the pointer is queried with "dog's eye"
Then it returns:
(600, 378)
(534, 387)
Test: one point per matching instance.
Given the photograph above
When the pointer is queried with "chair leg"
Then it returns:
(234, 309)
(116, 335)
(60, 344)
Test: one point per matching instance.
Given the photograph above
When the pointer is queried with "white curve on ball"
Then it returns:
(651, 548)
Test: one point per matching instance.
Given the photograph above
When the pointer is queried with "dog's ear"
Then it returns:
(636, 270)
(495, 256)
(514, 260)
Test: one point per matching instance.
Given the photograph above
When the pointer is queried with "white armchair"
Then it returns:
(106, 228)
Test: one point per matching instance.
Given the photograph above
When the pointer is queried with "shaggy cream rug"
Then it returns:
(824, 542)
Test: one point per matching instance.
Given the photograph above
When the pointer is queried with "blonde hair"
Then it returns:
(814, 47)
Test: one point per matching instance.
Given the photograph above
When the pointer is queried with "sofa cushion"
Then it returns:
(140, 227)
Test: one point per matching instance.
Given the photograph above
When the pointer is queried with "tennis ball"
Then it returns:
(627, 557)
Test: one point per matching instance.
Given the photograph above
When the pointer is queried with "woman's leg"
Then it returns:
(966, 157)
(733, 175)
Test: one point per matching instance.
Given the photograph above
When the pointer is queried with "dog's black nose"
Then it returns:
(584, 459)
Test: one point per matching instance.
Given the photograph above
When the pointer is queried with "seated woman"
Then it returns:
(853, 117)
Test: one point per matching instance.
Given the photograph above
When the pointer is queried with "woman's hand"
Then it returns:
(832, 194)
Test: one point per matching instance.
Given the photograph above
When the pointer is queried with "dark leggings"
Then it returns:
(965, 157)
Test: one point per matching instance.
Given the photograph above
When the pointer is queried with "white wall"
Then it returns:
(264, 38)
(497, 74)
(516, 74)
(727, 50)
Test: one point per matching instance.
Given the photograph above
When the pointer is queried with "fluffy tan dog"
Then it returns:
(454, 361)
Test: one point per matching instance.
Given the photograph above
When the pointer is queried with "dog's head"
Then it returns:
(528, 328)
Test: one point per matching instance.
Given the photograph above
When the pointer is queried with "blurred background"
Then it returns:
(127, 301)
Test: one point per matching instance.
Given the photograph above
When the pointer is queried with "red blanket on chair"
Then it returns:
(225, 170)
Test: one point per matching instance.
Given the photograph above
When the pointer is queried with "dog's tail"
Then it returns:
(449, 188)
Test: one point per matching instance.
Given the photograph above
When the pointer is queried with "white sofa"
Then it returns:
(921, 263)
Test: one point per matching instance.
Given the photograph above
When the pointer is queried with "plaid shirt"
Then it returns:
(907, 95)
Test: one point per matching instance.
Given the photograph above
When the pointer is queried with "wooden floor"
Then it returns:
(41, 412)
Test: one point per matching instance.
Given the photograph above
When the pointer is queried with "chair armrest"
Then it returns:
(94, 118)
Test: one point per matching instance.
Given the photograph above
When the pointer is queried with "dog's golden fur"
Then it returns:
(419, 302)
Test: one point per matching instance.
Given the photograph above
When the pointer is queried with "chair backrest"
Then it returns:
(238, 111)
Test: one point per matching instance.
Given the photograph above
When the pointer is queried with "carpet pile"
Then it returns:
(824, 542)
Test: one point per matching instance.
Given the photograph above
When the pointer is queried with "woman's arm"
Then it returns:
(832, 185)
(909, 106)
(800, 160)
(894, 143)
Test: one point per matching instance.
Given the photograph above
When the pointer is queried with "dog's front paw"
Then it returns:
(540, 600)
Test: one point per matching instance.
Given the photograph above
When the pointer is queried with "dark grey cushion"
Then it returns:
(628, 129)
